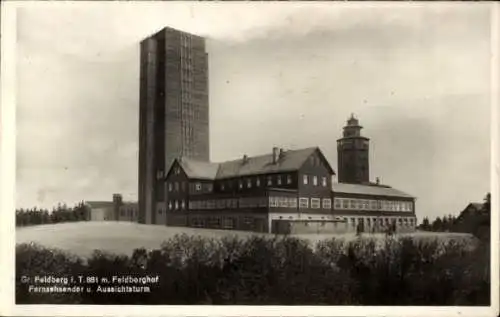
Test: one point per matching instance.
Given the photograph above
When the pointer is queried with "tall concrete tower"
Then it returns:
(352, 154)
(173, 115)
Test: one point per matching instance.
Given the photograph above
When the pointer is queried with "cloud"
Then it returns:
(279, 75)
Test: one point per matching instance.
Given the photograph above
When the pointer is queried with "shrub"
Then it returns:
(276, 271)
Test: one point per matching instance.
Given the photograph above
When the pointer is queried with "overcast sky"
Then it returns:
(290, 75)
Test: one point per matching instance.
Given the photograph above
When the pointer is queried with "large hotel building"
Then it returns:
(285, 191)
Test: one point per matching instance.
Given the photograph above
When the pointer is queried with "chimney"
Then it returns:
(275, 155)
(245, 159)
(282, 153)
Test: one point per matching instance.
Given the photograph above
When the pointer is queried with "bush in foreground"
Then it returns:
(279, 271)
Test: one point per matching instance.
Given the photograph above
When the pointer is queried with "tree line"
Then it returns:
(452, 223)
(281, 271)
(61, 213)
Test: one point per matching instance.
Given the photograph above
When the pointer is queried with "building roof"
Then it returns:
(373, 190)
(99, 204)
(291, 160)
(198, 169)
(477, 206)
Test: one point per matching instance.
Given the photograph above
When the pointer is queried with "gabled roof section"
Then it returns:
(198, 169)
(373, 190)
(291, 160)
(476, 206)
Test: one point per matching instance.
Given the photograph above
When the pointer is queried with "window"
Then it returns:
(269, 181)
(198, 186)
(257, 182)
(249, 183)
(289, 179)
(373, 204)
(170, 205)
(273, 202)
(240, 184)
(315, 180)
(177, 170)
(306, 179)
(303, 202)
(176, 186)
(278, 180)
(169, 187)
(228, 223)
(183, 204)
(352, 204)
(222, 187)
(327, 203)
(210, 187)
(315, 203)
(176, 205)
(292, 202)
(323, 181)
(345, 203)
(183, 186)
(338, 203)
(283, 202)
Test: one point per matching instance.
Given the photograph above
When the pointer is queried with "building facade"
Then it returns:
(282, 192)
(115, 210)
(173, 115)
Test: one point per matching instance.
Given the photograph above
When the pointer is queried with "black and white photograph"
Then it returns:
(299, 155)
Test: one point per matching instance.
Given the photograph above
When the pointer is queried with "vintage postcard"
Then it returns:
(249, 159)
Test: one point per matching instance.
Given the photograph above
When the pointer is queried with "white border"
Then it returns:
(7, 199)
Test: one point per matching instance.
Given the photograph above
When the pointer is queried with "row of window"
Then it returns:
(373, 221)
(291, 202)
(128, 212)
(250, 182)
(367, 204)
(252, 202)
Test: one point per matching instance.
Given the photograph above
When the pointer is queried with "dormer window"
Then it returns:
(269, 181)
(323, 181)
(278, 179)
(198, 186)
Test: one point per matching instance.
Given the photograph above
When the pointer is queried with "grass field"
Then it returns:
(81, 238)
